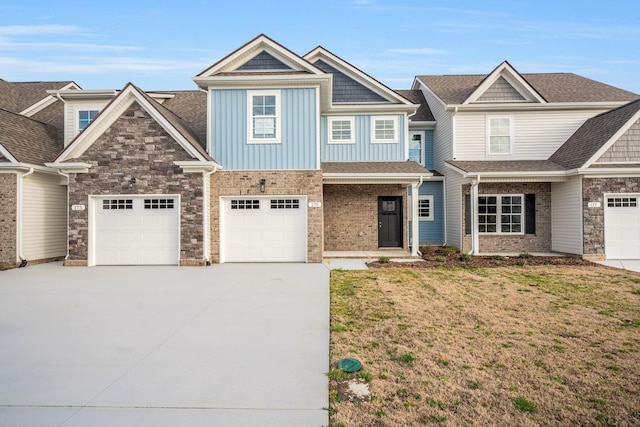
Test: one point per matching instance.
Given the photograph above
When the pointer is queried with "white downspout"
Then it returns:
(20, 216)
(415, 224)
(475, 236)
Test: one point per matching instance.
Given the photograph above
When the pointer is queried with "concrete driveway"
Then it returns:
(228, 345)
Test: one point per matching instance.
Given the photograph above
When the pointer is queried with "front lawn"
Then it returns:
(519, 345)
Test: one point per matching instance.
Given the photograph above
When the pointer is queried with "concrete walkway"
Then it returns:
(232, 345)
(625, 264)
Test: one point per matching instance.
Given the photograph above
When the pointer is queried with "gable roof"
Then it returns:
(423, 114)
(171, 123)
(351, 84)
(250, 51)
(594, 135)
(553, 87)
(27, 140)
(190, 106)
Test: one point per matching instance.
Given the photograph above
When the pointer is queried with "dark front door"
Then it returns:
(390, 222)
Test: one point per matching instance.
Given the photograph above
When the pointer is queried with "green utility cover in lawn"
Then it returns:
(349, 365)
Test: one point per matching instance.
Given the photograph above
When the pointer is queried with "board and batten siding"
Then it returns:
(430, 232)
(429, 161)
(536, 134)
(229, 133)
(71, 116)
(566, 216)
(44, 217)
(362, 150)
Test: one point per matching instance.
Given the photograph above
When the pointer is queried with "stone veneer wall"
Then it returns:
(351, 215)
(593, 190)
(8, 218)
(137, 146)
(278, 182)
(538, 242)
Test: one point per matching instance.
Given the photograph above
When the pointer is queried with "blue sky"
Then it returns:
(161, 45)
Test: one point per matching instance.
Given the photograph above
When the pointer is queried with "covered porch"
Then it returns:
(365, 208)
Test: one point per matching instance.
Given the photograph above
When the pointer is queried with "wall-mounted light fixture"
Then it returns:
(262, 184)
(132, 181)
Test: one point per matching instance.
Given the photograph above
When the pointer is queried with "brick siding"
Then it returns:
(8, 218)
(538, 242)
(593, 190)
(351, 216)
(135, 145)
(278, 182)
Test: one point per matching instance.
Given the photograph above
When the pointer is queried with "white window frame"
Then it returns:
(489, 152)
(352, 124)
(499, 215)
(77, 111)
(422, 145)
(278, 117)
(430, 217)
(396, 131)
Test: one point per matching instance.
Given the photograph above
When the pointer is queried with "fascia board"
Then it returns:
(371, 108)
(529, 106)
(197, 166)
(257, 45)
(15, 167)
(7, 155)
(229, 81)
(608, 172)
(613, 139)
(84, 94)
(70, 167)
(426, 125)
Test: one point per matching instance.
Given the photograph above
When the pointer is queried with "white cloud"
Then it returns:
(7, 44)
(28, 30)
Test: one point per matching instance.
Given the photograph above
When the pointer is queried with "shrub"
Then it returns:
(496, 257)
(383, 259)
(439, 259)
(525, 255)
(465, 257)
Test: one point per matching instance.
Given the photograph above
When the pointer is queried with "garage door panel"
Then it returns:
(130, 232)
(253, 231)
(622, 226)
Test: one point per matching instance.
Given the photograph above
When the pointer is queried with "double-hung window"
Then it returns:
(341, 130)
(86, 116)
(384, 129)
(501, 214)
(264, 116)
(499, 135)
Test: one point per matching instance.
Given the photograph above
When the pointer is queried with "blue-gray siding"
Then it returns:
(428, 149)
(263, 61)
(431, 232)
(363, 149)
(297, 149)
(347, 90)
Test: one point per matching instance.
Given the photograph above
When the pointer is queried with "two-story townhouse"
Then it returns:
(33, 214)
(311, 156)
(508, 146)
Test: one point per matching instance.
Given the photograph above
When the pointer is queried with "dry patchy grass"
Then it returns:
(502, 346)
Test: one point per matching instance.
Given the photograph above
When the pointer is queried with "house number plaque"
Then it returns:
(77, 207)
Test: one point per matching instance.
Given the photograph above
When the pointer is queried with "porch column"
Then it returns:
(475, 235)
(415, 221)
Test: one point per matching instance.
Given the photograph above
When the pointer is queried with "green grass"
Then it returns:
(522, 404)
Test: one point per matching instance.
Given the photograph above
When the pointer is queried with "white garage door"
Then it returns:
(136, 230)
(622, 226)
(264, 229)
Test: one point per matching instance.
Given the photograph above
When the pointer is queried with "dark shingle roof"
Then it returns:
(190, 106)
(398, 167)
(18, 96)
(177, 122)
(554, 87)
(346, 89)
(487, 166)
(423, 114)
(28, 140)
(592, 135)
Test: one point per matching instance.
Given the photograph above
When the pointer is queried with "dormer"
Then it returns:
(81, 107)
